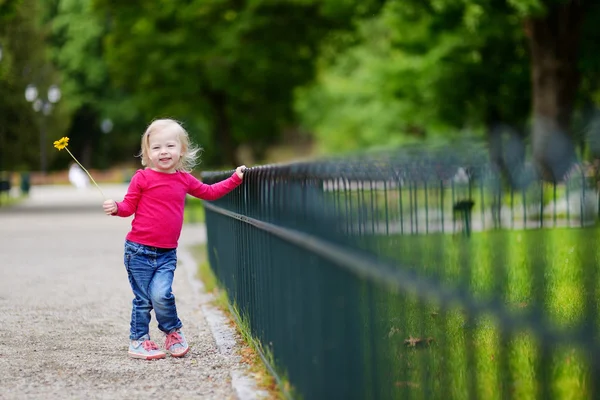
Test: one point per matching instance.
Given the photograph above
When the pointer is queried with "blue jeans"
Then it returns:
(150, 272)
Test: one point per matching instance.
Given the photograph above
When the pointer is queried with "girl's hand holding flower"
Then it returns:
(110, 207)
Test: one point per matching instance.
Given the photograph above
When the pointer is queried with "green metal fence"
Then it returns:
(420, 275)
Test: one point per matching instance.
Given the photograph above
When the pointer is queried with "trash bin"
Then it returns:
(465, 208)
(25, 183)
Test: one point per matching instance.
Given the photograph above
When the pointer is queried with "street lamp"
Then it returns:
(43, 105)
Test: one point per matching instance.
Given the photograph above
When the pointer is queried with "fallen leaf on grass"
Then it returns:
(413, 341)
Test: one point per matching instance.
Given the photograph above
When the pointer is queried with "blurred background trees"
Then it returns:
(247, 76)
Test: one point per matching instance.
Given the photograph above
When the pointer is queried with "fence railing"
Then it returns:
(414, 276)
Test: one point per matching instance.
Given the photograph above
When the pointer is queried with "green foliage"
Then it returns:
(225, 68)
(417, 70)
(387, 72)
(22, 56)
(77, 33)
(8, 9)
(88, 93)
(526, 8)
(589, 62)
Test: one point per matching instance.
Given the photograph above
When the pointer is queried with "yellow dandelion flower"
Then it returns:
(62, 143)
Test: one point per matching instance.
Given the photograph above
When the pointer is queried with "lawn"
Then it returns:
(333, 332)
(194, 211)
(423, 350)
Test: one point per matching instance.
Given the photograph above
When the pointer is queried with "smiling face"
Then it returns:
(164, 150)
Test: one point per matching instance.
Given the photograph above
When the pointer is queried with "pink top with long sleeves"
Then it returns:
(158, 200)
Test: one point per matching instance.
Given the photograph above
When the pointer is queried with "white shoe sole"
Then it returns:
(146, 356)
(180, 353)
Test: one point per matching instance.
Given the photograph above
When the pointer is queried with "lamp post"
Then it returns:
(44, 106)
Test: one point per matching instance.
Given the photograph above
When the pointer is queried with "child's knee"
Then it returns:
(161, 296)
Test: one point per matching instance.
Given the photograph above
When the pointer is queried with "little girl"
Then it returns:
(156, 195)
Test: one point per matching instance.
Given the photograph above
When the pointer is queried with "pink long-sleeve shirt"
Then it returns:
(158, 200)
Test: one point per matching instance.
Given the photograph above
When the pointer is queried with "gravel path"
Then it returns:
(65, 304)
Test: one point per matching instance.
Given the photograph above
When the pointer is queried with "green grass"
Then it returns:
(505, 263)
(250, 347)
(205, 274)
(548, 271)
(7, 201)
(194, 211)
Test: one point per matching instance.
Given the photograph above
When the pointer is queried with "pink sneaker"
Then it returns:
(176, 345)
(145, 348)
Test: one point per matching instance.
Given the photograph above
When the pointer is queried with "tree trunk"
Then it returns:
(222, 129)
(554, 43)
(83, 133)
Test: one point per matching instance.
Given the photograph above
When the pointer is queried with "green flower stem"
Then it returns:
(88, 174)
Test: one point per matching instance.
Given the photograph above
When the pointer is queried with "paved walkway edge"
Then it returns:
(224, 335)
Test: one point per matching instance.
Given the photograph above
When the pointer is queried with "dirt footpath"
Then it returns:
(65, 305)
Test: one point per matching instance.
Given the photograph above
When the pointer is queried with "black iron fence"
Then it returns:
(420, 275)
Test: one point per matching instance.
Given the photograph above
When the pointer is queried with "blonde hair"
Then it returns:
(189, 152)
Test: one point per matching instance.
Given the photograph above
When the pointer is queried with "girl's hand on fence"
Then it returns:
(110, 207)
(240, 171)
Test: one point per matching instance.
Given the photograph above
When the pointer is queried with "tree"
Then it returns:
(451, 65)
(22, 54)
(226, 68)
(553, 29)
(421, 70)
(76, 48)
